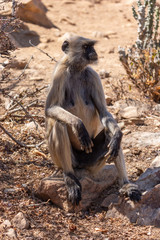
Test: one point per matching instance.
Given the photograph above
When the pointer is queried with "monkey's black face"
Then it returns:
(80, 52)
(89, 53)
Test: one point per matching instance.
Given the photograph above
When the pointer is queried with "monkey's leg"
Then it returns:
(60, 150)
(128, 189)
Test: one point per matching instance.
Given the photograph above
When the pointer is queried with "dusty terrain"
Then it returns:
(112, 24)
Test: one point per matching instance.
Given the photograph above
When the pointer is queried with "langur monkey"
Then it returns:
(80, 130)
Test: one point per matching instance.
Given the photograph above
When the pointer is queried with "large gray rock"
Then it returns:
(149, 179)
(147, 212)
(53, 188)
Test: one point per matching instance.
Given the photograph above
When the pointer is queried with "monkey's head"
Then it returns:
(80, 51)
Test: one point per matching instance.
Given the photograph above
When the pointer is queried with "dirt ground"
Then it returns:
(111, 23)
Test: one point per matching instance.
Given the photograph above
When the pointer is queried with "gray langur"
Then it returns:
(80, 130)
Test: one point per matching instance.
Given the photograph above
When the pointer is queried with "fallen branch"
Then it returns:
(20, 143)
(52, 59)
(38, 204)
(21, 116)
(22, 108)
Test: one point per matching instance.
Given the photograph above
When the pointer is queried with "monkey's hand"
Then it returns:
(73, 188)
(114, 145)
(83, 137)
(131, 190)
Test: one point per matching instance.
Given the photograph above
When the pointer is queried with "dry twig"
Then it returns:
(20, 143)
(52, 59)
(38, 204)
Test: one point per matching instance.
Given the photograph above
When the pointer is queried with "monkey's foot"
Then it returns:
(131, 190)
(73, 187)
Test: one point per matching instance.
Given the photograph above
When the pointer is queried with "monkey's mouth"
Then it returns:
(93, 57)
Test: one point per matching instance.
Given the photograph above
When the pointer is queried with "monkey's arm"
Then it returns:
(116, 134)
(106, 118)
(76, 124)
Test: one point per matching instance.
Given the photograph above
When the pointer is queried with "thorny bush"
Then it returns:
(142, 62)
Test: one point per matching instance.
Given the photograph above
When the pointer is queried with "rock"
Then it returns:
(129, 112)
(104, 74)
(11, 233)
(157, 108)
(98, 34)
(149, 179)
(112, 50)
(156, 162)
(143, 139)
(53, 188)
(31, 126)
(113, 198)
(157, 123)
(16, 63)
(10, 190)
(126, 131)
(20, 221)
(108, 100)
(136, 121)
(141, 107)
(147, 212)
(34, 11)
(5, 224)
(121, 125)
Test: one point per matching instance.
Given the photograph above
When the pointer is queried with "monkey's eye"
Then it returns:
(65, 46)
(85, 46)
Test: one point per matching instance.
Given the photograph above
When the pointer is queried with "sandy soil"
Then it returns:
(111, 23)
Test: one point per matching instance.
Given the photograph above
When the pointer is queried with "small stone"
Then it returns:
(157, 123)
(126, 131)
(11, 233)
(121, 125)
(20, 221)
(111, 51)
(156, 162)
(5, 224)
(125, 151)
(31, 126)
(10, 190)
(157, 108)
(97, 34)
(104, 74)
(129, 112)
(19, 63)
(108, 100)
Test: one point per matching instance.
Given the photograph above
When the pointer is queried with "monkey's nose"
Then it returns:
(93, 56)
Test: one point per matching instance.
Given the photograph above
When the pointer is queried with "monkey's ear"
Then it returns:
(65, 46)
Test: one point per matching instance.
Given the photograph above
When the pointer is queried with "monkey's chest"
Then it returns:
(81, 106)
(84, 109)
